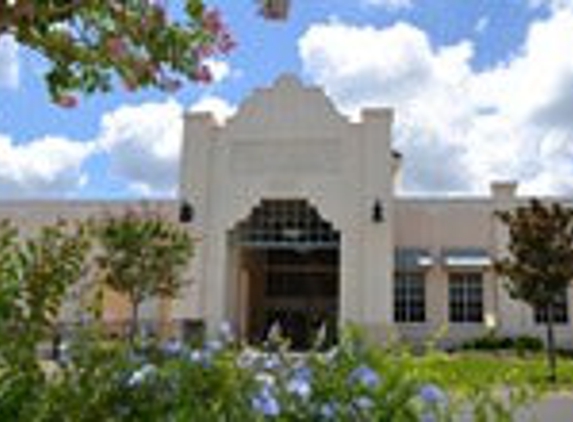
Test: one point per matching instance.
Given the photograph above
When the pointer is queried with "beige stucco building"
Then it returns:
(297, 221)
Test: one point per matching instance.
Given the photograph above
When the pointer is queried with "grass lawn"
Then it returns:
(467, 370)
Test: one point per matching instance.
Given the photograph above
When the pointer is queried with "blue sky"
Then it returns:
(483, 91)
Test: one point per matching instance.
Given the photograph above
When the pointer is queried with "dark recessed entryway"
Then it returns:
(288, 258)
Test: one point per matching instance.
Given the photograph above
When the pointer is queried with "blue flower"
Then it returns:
(202, 357)
(432, 394)
(266, 403)
(172, 348)
(300, 382)
(214, 345)
(365, 376)
(299, 387)
(363, 403)
(141, 375)
(328, 411)
(303, 372)
(271, 362)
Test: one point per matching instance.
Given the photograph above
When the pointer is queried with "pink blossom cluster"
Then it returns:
(137, 68)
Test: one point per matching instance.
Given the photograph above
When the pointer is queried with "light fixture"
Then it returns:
(377, 212)
(186, 212)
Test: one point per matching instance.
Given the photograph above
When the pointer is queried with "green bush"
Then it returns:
(222, 381)
(492, 342)
(525, 344)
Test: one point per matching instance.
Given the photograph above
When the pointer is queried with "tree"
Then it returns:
(142, 255)
(539, 267)
(36, 273)
(93, 43)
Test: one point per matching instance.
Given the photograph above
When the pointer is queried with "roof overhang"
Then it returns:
(412, 259)
(466, 258)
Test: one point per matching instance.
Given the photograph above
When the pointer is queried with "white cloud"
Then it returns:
(397, 67)
(220, 70)
(511, 121)
(143, 144)
(45, 167)
(9, 66)
(220, 108)
(389, 4)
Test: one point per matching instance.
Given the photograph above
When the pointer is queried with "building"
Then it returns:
(297, 221)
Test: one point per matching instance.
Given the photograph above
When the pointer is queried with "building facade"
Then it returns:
(297, 223)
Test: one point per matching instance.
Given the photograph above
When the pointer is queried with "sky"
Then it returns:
(482, 92)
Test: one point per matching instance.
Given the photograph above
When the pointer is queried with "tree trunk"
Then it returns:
(134, 323)
(551, 358)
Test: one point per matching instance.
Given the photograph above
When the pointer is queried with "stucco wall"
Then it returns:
(30, 216)
(288, 142)
(440, 223)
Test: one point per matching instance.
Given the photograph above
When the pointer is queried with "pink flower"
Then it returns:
(202, 74)
(130, 84)
(116, 46)
(226, 43)
(274, 9)
(204, 50)
(212, 21)
(67, 101)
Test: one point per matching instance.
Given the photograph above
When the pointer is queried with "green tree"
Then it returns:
(539, 267)
(142, 255)
(91, 44)
(36, 273)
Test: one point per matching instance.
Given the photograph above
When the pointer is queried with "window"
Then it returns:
(286, 223)
(409, 297)
(466, 297)
(560, 311)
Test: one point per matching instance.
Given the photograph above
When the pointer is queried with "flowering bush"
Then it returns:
(92, 46)
(222, 381)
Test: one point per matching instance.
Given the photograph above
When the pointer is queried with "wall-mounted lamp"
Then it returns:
(186, 212)
(377, 212)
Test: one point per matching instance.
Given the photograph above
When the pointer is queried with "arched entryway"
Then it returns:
(286, 272)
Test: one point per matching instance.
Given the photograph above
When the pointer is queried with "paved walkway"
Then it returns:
(557, 407)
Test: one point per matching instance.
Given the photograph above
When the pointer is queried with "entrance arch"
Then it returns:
(286, 271)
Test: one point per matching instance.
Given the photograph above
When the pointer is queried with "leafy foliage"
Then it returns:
(493, 342)
(97, 379)
(540, 264)
(35, 275)
(142, 255)
(539, 267)
(92, 43)
(221, 381)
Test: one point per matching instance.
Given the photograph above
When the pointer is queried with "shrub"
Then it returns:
(525, 344)
(492, 342)
(221, 381)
